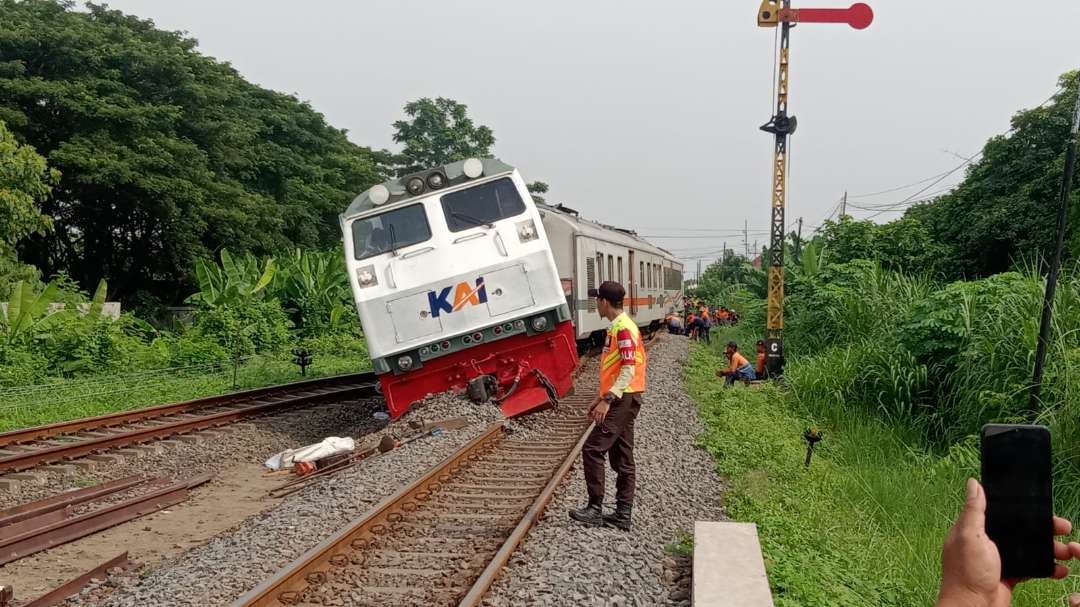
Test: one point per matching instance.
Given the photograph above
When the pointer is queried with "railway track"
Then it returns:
(31, 447)
(443, 539)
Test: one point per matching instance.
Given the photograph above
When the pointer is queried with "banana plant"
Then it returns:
(314, 287)
(234, 281)
(27, 312)
(812, 258)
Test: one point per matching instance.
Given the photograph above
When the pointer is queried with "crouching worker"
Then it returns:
(622, 382)
(738, 367)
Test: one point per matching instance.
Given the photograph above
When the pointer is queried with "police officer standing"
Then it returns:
(622, 382)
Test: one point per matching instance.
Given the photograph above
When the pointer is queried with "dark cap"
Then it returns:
(611, 291)
(732, 344)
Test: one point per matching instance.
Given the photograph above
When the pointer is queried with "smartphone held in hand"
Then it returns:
(1016, 475)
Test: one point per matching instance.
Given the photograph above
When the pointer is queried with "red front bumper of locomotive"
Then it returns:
(521, 364)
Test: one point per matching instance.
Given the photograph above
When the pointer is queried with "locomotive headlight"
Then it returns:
(379, 194)
(366, 276)
(527, 231)
(473, 168)
(404, 363)
(539, 323)
(415, 186)
(436, 181)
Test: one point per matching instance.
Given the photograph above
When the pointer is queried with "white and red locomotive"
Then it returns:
(456, 283)
(454, 280)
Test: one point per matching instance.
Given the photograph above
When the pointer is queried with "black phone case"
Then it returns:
(1021, 556)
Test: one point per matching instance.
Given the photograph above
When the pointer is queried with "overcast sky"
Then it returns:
(646, 114)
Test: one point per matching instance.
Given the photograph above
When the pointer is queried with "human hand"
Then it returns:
(971, 565)
(599, 411)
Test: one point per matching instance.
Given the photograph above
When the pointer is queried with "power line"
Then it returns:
(685, 229)
(894, 206)
(936, 179)
(897, 188)
(697, 236)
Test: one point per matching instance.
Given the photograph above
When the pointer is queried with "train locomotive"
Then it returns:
(459, 288)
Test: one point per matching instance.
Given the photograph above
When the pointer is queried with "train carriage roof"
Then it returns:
(602, 231)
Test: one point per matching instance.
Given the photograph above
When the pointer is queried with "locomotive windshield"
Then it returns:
(390, 231)
(482, 205)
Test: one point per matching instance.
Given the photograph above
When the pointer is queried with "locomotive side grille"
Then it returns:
(590, 280)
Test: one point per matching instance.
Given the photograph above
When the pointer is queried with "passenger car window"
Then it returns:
(390, 231)
(481, 205)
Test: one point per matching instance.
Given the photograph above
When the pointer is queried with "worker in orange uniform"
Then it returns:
(760, 369)
(738, 367)
(622, 383)
(706, 323)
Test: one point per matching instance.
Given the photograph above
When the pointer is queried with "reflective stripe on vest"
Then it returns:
(611, 360)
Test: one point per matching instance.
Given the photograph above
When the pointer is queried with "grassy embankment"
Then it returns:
(35, 405)
(864, 524)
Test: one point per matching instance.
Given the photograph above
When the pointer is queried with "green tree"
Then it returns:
(848, 239)
(1003, 211)
(25, 180)
(537, 187)
(439, 131)
(166, 155)
(905, 245)
(728, 274)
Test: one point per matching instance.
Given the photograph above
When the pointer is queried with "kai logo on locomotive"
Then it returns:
(464, 295)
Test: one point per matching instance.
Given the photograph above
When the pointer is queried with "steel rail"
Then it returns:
(475, 596)
(292, 580)
(87, 445)
(125, 417)
(62, 500)
(18, 546)
(59, 595)
(490, 475)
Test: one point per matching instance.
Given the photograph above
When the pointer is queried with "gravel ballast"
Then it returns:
(562, 562)
(220, 570)
(188, 455)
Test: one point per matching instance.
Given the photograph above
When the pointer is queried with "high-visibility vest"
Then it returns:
(611, 359)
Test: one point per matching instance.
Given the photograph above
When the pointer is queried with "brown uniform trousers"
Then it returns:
(615, 437)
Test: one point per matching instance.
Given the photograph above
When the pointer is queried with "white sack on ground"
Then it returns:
(331, 445)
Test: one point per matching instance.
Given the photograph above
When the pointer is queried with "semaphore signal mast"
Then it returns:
(773, 13)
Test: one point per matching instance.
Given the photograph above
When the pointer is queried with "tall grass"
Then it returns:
(900, 374)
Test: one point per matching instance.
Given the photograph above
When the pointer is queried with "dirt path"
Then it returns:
(234, 494)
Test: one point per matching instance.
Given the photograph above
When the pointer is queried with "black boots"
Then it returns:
(590, 515)
(593, 514)
(620, 519)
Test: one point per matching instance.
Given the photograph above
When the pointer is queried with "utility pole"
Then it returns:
(699, 269)
(723, 252)
(746, 239)
(778, 13)
(843, 205)
(1055, 263)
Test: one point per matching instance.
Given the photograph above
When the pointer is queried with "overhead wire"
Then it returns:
(934, 179)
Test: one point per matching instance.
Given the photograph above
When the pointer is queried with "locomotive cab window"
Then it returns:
(390, 231)
(482, 205)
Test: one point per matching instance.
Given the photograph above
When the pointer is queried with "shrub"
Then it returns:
(257, 326)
